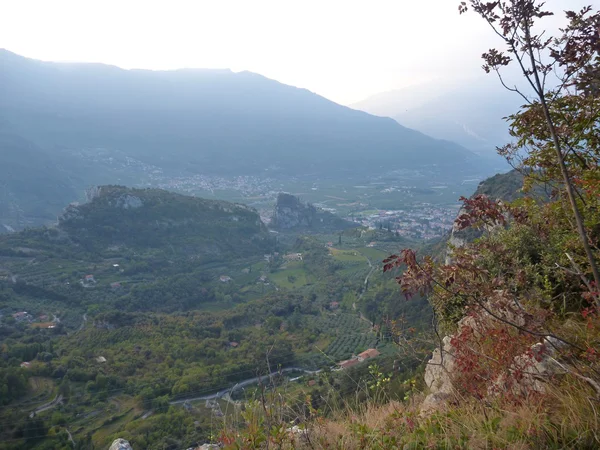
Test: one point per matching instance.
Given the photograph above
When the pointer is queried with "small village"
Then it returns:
(426, 222)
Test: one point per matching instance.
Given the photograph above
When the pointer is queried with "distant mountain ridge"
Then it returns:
(189, 121)
(202, 120)
(469, 112)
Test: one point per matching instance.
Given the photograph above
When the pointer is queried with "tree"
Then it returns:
(531, 279)
(558, 126)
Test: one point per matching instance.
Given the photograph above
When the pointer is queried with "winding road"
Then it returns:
(240, 385)
(55, 401)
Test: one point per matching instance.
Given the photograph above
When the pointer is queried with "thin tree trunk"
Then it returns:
(563, 169)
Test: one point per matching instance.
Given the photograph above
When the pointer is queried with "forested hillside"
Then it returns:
(33, 185)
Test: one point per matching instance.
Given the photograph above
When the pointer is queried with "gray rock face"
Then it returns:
(438, 377)
(291, 214)
(71, 212)
(129, 201)
(535, 367)
(120, 444)
(92, 193)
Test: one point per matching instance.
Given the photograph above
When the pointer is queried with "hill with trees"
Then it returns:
(291, 214)
(153, 219)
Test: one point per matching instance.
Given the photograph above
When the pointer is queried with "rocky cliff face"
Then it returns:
(529, 372)
(506, 187)
(441, 368)
(291, 214)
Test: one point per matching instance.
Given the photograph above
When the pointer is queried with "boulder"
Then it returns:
(120, 444)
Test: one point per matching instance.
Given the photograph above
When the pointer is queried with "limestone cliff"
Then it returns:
(292, 214)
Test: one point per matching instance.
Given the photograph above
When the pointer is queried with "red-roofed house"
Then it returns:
(348, 363)
(334, 305)
(367, 354)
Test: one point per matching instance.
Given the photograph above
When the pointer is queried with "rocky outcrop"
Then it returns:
(506, 187)
(291, 214)
(535, 367)
(457, 239)
(438, 377)
(120, 444)
(530, 372)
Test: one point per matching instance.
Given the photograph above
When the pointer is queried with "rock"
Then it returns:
(120, 444)
(129, 201)
(438, 377)
(291, 214)
(535, 368)
(434, 402)
(440, 368)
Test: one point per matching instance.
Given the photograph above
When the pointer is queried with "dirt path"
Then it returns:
(366, 282)
(70, 437)
(83, 323)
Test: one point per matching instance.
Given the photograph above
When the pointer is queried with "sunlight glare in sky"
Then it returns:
(345, 50)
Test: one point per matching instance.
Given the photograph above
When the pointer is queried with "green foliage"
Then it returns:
(13, 384)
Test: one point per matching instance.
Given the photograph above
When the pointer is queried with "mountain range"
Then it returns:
(185, 121)
(469, 112)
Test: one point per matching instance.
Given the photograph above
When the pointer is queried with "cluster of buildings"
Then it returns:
(42, 320)
(249, 186)
(22, 316)
(292, 257)
(357, 359)
(425, 222)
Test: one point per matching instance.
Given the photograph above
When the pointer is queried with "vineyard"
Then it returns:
(343, 347)
(352, 336)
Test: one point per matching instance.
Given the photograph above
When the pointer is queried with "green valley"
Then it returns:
(139, 298)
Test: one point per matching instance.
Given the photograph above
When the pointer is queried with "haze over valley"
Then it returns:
(212, 133)
(299, 225)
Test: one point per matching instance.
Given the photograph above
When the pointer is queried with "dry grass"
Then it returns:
(565, 418)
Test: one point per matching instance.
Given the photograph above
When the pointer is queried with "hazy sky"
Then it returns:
(344, 50)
